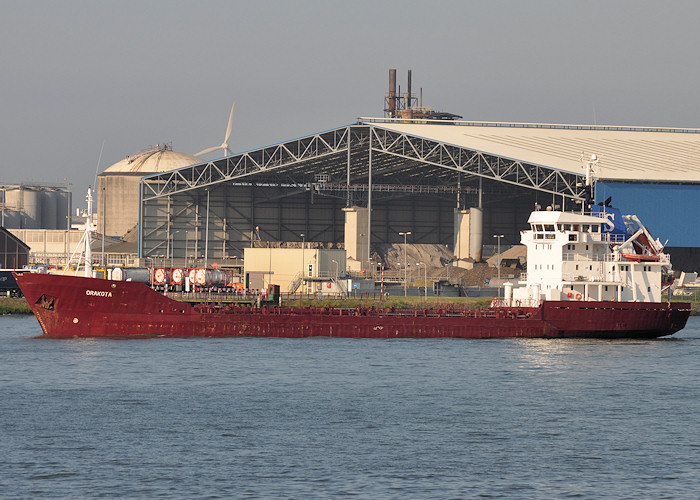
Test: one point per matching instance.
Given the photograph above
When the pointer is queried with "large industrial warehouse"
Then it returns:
(391, 180)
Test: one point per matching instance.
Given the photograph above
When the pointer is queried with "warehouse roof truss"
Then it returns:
(366, 155)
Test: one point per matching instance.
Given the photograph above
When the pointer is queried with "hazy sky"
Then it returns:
(133, 74)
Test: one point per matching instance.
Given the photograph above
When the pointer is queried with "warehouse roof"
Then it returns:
(626, 153)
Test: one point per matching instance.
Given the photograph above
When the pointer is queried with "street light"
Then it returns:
(405, 266)
(498, 251)
(362, 252)
(171, 248)
(425, 282)
(303, 262)
(337, 268)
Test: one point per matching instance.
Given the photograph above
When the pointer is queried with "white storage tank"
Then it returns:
(31, 199)
(49, 200)
(13, 198)
(11, 202)
(62, 209)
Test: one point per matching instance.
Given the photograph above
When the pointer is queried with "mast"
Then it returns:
(88, 237)
(589, 193)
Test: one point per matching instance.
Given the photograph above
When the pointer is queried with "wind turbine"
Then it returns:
(224, 145)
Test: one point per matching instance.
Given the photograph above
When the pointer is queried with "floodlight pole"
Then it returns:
(425, 282)
(405, 266)
(303, 262)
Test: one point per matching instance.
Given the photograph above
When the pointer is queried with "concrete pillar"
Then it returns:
(476, 233)
(468, 233)
(355, 228)
(461, 234)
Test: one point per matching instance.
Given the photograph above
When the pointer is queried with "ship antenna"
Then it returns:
(589, 193)
(88, 229)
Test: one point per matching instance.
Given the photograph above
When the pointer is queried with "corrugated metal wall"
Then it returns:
(670, 211)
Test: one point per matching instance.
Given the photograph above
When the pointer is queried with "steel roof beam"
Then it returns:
(396, 154)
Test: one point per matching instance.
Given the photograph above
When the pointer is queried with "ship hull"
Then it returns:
(68, 307)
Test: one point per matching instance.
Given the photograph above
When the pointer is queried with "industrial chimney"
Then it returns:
(392, 93)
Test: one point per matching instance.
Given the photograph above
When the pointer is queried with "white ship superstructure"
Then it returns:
(574, 256)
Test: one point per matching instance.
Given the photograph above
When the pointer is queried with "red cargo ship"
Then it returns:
(68, 306)
(588, 275)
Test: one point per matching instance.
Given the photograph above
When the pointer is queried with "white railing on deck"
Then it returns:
(501, 302)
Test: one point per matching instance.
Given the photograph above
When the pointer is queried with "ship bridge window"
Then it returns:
(585, 228)
(575, 227)
(594, 228)
(538, 227)
(567, 227)
(549, 227)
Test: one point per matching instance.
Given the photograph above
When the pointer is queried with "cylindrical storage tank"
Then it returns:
(117, 274)
(62, 209)
(49, 201)
(11, 218)
(177, 276)
(476, 233)
(31, 199)
(13, 202)
(216, 277)
(13, 199)
(139, 274)
(200, 276)
(160, 276)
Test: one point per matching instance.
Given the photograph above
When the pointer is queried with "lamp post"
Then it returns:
(381, 288)
(337, 268)
(405, 266)
(303, 262)
(425, 276)
(171, 248)
(187, 248)
(498, 251)
(362, 252)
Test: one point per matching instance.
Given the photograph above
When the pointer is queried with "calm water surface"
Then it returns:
(320, 418)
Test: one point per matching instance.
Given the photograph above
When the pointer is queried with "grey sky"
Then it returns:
(137, 73)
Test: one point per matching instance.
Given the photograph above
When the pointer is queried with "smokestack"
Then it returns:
(392, 93)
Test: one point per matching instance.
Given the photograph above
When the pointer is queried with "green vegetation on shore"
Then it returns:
(14, 305)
